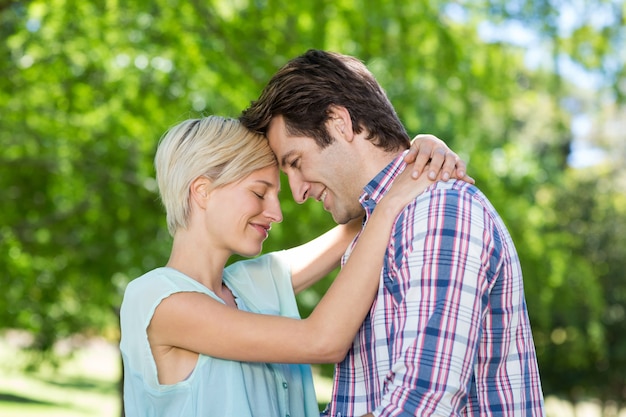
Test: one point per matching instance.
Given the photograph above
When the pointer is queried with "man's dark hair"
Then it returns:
(303, 89)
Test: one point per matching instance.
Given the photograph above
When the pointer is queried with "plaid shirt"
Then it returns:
(448, 333)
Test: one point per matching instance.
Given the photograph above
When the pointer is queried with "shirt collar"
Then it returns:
(374, 191)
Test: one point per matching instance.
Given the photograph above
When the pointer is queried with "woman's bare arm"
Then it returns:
(198, 323)
(315, 259)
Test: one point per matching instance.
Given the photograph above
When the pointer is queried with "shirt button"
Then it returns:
(285, 387)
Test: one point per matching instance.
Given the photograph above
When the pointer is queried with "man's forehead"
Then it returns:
(282, 143)
(276, 130)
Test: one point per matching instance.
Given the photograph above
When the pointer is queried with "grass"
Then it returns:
(83, 386)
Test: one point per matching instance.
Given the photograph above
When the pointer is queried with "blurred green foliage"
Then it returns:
(88, 87)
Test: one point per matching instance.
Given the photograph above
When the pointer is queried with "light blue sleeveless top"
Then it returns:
(216, 387)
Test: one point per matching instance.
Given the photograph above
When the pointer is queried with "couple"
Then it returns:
(431, 286)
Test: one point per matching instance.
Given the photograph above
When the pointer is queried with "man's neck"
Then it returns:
(375, 159)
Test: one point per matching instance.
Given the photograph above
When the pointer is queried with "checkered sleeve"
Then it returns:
(447, 261)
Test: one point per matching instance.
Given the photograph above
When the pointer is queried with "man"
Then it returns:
(448, 333)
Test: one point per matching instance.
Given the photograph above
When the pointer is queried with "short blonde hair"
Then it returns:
(215, 147)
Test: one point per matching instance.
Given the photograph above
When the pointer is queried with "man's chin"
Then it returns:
(338, 219)
(344, 218)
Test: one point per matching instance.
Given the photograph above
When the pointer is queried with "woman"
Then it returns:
(191, 344)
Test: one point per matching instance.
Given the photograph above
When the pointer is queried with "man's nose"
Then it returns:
(300, 189)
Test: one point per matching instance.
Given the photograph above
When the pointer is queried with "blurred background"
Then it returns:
(531, 93)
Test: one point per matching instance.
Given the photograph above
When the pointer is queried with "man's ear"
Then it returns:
(199, 191)
(340, 123)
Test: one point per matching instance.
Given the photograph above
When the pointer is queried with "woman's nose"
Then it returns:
(274, 212)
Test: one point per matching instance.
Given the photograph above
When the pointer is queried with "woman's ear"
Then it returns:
(199, 191)
(340, 123)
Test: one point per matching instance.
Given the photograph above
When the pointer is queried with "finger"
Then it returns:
(409, 157)
(436, 163)
(411, 154)
(449, 166)
(465, 177)
(461, 168)
(421, 159)
(468, 179)
(419, 154)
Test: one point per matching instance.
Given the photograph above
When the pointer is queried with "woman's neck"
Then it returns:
(198, 260)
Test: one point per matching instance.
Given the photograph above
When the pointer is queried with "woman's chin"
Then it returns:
(249, 253)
